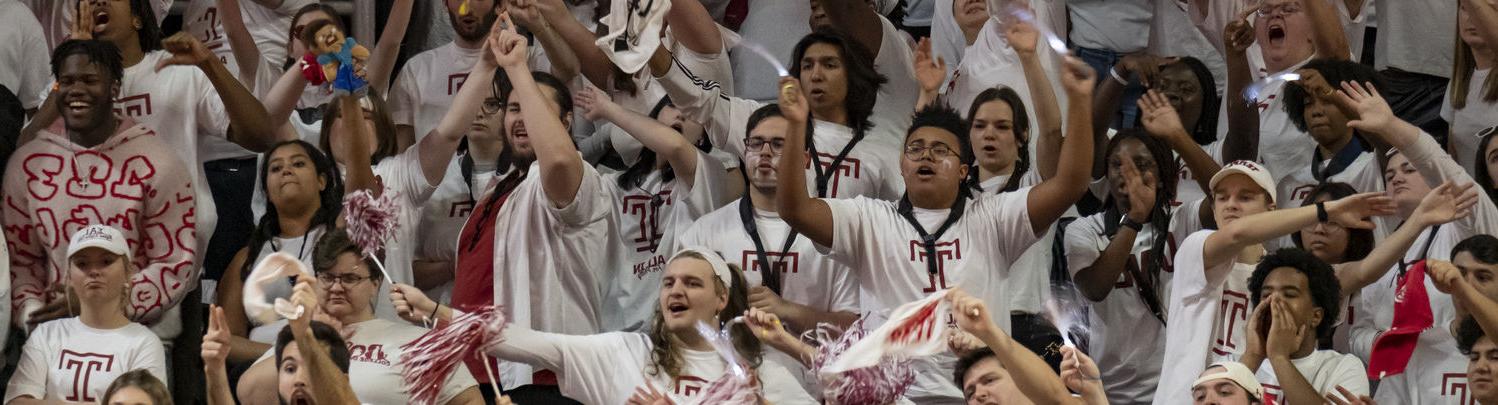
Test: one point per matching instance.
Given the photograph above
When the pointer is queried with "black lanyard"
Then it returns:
(816, 161)
(928, 241)
(1340, 161)
(1424, 253)
(767, 269)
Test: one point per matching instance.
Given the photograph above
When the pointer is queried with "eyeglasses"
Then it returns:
(756, 144)
(491, 105)
(328, 280)
(916, 151)
(1283, 9)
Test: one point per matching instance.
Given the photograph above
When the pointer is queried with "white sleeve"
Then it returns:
(1438, 167)
(853, 230)
(704, 102)
(780, 387)
(30, 377)
(590, 203)
(212, 117)
(455, 384)
(1186, 220)
(407, 177)
(897, 96)
(693, 235)
(591, 367)
(403, 98)
(151, 356)
(1349, 374)
(1006, 216)
(1084, 244)
(709, 189)
(34, 73)
(843, 292)
(1191, 277)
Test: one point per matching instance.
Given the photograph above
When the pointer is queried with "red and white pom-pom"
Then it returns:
(880, 384)
(370, 221)
(432, 358)
(730, 390)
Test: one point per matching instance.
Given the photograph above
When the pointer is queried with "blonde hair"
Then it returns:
(145, 381)
(1461, 75)
(665, 353)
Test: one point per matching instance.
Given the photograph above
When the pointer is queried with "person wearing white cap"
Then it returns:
(76, 358)
(698, 287)
(1227, 383)
(1209, 298)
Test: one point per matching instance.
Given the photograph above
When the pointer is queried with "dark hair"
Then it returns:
(1359, 241)
(98, 52)
(665, 356)
(1167, 174)
(291, 32)
(149, 34)
(502, 88)
(1021, 131)
(1482, 247)
(329, 337)
(1205, 131)
(762, 113)
(309, 33)
(330, 201)
(335, 243)
(967, 361)
(1335, 71)
(634, 175)
(1480, 169)
(142, 379)
(384, 127)
(941, 116)
(1467, 334)
(1321, 280)
(858, 67)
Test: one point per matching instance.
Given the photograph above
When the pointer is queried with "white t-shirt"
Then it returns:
(427, 84)
(650, 216)
(549, 274)
(606, 368)
(1032, 276)
(402, 175)
(1173, 34)
(56, 16)
(1127, 340)
(376, 359)
(1467, 124)
(1324, 369)
(268, 27)
(1362, 174)
(1283, 148)
(1119, 26)
(65, 360)
(303, 247)
(870, 169)
(444, 214)
(1208, 314)
(895, 104)
(24, 53)
(1415, 36)
(976, 253)
(989, 62)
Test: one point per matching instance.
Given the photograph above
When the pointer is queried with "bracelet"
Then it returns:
(1129, 223)
(1113, 71)
(1321, 215)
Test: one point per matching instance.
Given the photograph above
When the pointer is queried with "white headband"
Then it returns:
(720, 268)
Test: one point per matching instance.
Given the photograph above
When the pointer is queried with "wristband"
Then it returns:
(1116, 77)
(1321, 215)
(1129, 223)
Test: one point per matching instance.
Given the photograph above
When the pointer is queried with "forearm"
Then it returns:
(387, 48)
(797, 207)
(1242, 139)
(1097, 281)
(694, 28)
(659, 138)
(249, 124)
(1047, 116)
(1253, 359)
(1225, 244)
(245, 351)
(241, 43)
(1326, 32)
(1105, 103)
(1031, 374)
(561, 166)
(219, 390)
(1202, 165)
(857, 20)
(563, 60)
(802, 318)
(1050, 199)
(331, 386)
(359, 174)
(1294, 385)
(592, 62)
(925, 98)
(1383, 257)
(280, 101)
(1483, 309)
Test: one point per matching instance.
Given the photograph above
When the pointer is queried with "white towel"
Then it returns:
(634, 32)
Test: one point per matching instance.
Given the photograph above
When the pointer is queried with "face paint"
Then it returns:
(463, 8)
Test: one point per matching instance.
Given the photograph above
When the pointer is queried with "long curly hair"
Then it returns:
(329, 200)
(665, 353)
(1166, 175)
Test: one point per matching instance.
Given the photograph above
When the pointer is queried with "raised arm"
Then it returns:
(561, 166)
(1242, 139)
(437, 147)
(1052, 197)
(249, 124)
(704, 103)
(331, 385)
(659, 138)
(1468, 299)
(856, 19)
(1445, 203)
(1161, 121)
(241, 43)
(1326, 31)
(215, 353)
(592, 62)
(281, 100)
(388, 47)
(1031, 373)
(694, 28)
(563, 60)
(1352, 211)
(1097, 280)
(358, 169)
(930, 72)
(1023, 37)
(809, 216)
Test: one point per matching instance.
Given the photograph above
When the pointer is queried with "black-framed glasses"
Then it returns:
(491, 105)
(756, 144)
(916, 151)
(328, 280)
(1283, 9)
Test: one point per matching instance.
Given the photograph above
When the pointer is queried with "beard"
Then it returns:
(477, 32)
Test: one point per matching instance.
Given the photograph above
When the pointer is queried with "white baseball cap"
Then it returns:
(1249, 168)
(1235, 372)
(99, 236)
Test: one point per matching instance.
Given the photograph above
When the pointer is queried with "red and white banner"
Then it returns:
(915, 329)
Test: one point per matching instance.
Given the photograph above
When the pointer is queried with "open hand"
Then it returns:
(1447, 202)
(595, 104)
(1020, 34)
(1143, 66)
(1238, 35)
(1374, 114)
(648, 395)
(83, 21)
(1141, 192)
(1355, 211)
(1285, 332)
(1258, 329)
(930, 70)
(1159, 117)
